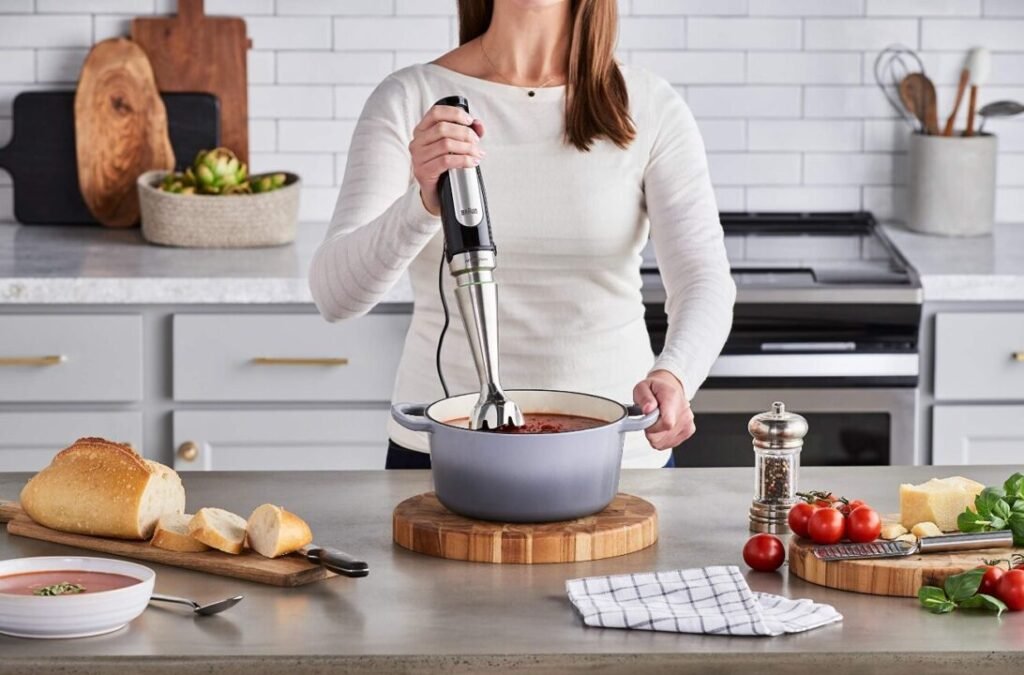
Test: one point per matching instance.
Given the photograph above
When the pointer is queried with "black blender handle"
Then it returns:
(465, 219)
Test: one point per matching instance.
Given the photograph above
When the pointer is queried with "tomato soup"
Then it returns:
(63, 582)
(542, 423)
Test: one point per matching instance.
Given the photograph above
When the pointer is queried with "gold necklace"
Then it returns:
(530, 91)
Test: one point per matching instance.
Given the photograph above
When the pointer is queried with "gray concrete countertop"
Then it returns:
(420, 614)
(989, 268)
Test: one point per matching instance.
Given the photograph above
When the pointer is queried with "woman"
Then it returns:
(579, 154)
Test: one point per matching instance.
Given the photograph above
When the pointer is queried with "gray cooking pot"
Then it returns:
(525, 478)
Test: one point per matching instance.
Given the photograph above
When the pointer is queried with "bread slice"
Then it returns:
(274, 532)
(102, 488)
(172, 534)
(218, 529)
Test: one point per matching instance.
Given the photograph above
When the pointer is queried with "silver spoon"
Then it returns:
(999, 109)
(202, 610)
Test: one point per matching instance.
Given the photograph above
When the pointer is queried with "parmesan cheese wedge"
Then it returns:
(892, 530)
(938, 501)
(922, 530)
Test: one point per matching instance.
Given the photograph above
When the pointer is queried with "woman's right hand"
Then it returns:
(446, 138)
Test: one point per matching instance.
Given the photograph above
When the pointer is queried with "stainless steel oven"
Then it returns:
(827, 320)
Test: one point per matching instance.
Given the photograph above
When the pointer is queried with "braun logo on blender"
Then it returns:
(470, 211)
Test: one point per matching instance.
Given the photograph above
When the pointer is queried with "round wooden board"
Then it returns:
(423, 525)
(886, 576)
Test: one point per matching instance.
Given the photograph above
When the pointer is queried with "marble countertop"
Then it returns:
(45, 265)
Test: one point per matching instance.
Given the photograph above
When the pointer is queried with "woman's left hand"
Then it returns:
(661, 389)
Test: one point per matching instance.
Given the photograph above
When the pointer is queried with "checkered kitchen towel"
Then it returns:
(713, 600)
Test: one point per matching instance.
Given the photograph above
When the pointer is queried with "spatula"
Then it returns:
(917, 93)
(894, 549)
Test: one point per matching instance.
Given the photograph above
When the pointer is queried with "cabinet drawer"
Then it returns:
(286, 357)
(977, 434)
(979, 356)
(31, 439)
(71, 358)
(280, 440)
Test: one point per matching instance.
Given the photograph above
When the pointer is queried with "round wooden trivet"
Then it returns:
(627, 525)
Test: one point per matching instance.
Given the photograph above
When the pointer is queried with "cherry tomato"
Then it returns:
(764, 552)
(990, 582)
(863, 525)
(846, 508)
(1010, 589)
(856, 504)
(826, 526)
(798, 517)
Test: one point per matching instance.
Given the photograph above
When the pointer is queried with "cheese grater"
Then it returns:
(965, 541)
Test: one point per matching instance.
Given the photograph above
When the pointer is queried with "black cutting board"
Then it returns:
(41, 154)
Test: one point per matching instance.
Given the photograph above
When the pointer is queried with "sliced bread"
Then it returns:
(102, 488)
(274, 532)
(218, 529)
(172, 534)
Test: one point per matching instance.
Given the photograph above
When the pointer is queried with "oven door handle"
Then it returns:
(815, 365)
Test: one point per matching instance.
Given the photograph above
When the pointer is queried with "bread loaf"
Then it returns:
(172, 534)
(102, 488)
(274, 532)
(218, 529)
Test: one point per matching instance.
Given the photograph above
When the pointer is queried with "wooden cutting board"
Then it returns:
(886, 576)
(120, 130)
(289, 570)
(422, 524)
(198, 53)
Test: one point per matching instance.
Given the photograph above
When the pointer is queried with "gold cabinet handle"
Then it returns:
(1017, 356)
(188, 451)
(51, 360)
(285, 361)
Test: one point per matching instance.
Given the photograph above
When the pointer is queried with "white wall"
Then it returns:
(782, 88)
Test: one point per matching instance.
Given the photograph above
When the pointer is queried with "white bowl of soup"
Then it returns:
(69, 596)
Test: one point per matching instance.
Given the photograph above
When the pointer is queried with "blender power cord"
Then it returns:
(444, 328)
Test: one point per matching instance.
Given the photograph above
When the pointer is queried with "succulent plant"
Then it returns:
(267, 182)
(219, 172)
(178, 183)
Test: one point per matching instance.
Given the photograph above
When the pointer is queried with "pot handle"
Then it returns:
(636, 420)
(411, 416)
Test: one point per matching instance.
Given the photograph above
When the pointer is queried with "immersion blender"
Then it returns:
(470, 251)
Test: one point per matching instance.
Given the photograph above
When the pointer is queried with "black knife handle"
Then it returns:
(338, 562)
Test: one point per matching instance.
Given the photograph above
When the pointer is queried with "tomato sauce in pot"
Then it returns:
(63, 582)
(542, 423)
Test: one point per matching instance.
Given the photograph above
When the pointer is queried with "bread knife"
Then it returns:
(334, 560)
(964, 541)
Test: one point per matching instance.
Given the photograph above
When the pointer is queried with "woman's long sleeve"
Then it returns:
(379, 224)
(688, 243)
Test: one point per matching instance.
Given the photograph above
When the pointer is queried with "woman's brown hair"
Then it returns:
(596, 100)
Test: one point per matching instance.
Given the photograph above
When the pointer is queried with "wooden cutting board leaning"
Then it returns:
(198, 53)
(120, 130)
(288, 570)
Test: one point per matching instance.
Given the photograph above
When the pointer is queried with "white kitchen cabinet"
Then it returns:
(286, 357)
(280, 440)
(978, 434)
(29, 440)
(73, 358)
(979, 356)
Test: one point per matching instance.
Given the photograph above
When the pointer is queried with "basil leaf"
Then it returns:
(969, 521)
(987, 500)
(1014, 486)
(983, 601)
(959, 587)
(1016, 523)
(1000, 510)
(934, 600)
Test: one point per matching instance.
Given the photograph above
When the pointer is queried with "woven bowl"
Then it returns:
(218, 221)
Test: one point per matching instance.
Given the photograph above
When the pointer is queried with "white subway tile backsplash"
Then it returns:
(804, 135)
(391, 33)
(804, 68)
(280, 101)
(1010, 205)
(694, 67)
(803, 198)
(846, 103)
(924, 8)
(59, 65)
(302, 67)
(105, 26)
(404, 59)
(262, 135)
(691, 7)
(316, 204)
(651, 33)
(17, 65)
(289, 32)
(15, 6)
(747, 34)
(238, 7)
(94, 6)
(754, 168)
(1010, 169)
(858, 34)
(856, 169)
(1003, 8)
(316, 169)
(349, 100)
(749, 102)
(996, 34)
(723, 135)
(886, 135)
(340, 159)
(260, 67)
(806, 7)
(425, 7)
(314, 135)
(46, 31)
(335, 7)
(1010, 133)
(943, 68)
(731, 199)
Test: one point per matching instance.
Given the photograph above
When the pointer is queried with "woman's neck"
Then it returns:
(528, 45)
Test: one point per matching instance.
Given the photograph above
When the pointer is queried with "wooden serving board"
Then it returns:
(198, 53)
(422, 524)
(289, 570)
(886, 576)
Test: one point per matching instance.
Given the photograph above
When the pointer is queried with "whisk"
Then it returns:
(889, 70)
